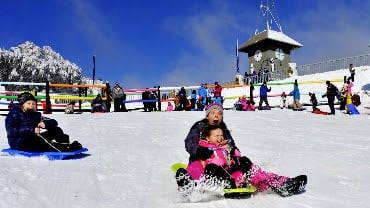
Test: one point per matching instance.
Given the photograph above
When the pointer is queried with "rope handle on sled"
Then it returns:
(51, 145)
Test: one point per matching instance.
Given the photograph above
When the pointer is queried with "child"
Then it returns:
(169, 106)
(217, 159)
(250, 105)
(23, 127)
(255, 175)
(98, 105)
(238, 105)
(313, 100)
(283, 102)
(247, 104)
(70, 108)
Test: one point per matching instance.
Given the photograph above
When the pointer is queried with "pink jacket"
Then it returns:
(170, 108)
(246, 105)
(217, 91)
(220, 157)
(349, 88)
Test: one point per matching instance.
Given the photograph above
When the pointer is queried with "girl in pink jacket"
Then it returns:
(218, 157)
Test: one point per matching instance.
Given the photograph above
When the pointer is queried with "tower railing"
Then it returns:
(306, 69)
(333, 65)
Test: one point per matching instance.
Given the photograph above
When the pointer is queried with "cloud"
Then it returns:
(212, 37)
(330, 30)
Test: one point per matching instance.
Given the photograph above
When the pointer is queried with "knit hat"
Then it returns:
(24, 97)
(212, 106)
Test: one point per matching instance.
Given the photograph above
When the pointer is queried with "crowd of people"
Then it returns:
(199, 98)
(344, 97)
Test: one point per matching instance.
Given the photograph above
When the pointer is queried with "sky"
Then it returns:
(130, 154)
(184, 42)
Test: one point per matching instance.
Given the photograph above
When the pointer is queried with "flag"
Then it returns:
(93, 69)
(237, 56)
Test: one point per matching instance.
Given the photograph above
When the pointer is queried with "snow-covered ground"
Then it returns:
(130, 154)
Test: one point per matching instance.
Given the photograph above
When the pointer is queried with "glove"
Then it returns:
(203, 153)
(235, 152)
(245, 164)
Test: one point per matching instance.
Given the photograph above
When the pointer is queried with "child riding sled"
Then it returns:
(24, 124)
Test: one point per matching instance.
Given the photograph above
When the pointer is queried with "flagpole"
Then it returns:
(94, 69)
(237, 56)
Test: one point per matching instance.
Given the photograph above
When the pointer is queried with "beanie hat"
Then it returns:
(24, 97)
(212, 106)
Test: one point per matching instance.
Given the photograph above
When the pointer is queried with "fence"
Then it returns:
(320, 67)
(332, 65)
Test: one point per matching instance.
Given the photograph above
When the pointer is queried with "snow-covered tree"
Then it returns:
(28, 62)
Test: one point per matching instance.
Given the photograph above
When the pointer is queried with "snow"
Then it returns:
(130, 154)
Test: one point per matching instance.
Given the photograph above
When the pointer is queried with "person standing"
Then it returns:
(217, 93)
(182, 99)
(349, 86)
(263, 96)
(352, 72)
(145, 97)
(283, 101)
(193, 99)
(202, 97)
(296, 97)
(118, 97)
(331, 92)
(209, 94)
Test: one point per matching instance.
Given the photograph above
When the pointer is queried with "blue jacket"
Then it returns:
(202, 92)
(263, 91)
(21, 125)
(296, 94)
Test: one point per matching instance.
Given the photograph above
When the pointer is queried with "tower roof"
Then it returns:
(269, 35)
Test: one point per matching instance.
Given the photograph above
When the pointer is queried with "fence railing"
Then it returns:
(332, 65)
(320, 67)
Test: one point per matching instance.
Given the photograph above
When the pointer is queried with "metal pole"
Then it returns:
(94, 69)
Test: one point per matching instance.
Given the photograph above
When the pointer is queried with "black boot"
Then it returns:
(75, 145)
(218, 175)
(182, 177)
(63, 147)
(292, 186)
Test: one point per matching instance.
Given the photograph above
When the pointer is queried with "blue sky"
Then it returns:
(144, 43)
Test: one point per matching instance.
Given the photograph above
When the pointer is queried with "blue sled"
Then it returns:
(49, 155)
(352, 110)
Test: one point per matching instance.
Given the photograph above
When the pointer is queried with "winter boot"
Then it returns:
(219, 176)
(75, 145)
(182, 177)
(63, 147)
(292, 186)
